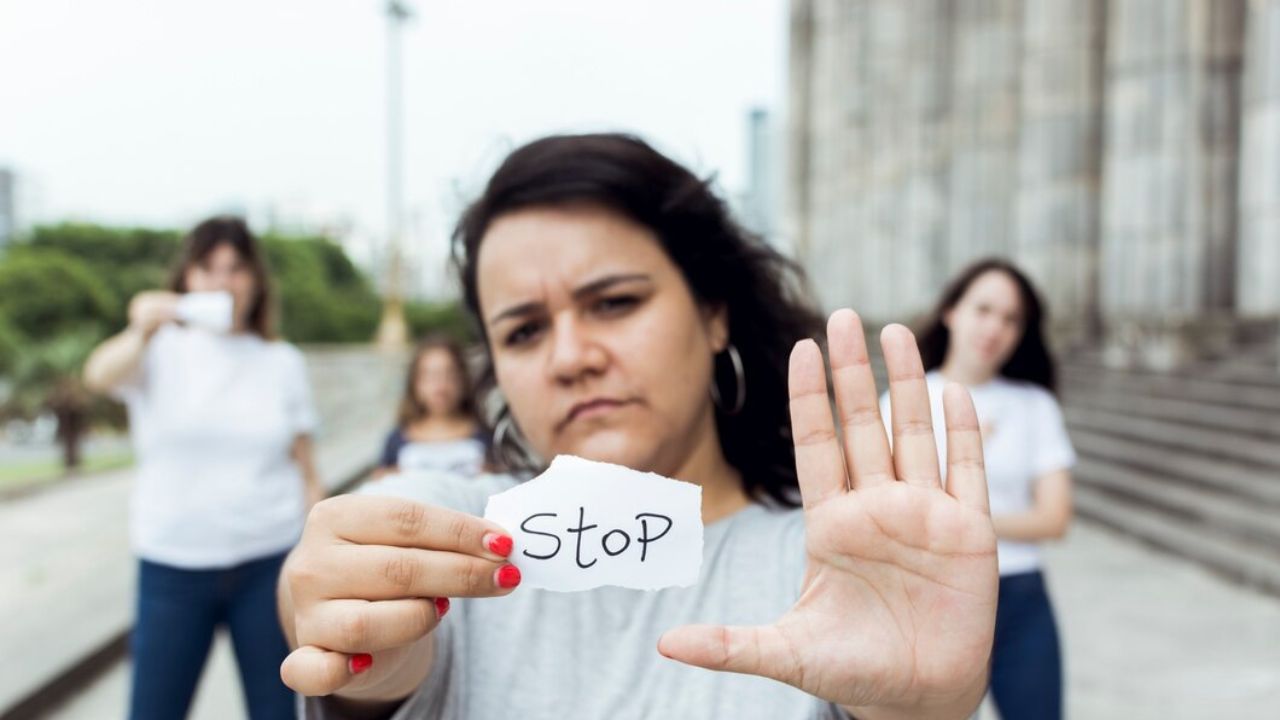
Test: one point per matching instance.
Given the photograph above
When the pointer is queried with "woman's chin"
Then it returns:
(610, 446)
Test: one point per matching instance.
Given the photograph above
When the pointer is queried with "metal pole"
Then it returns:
(393, 332)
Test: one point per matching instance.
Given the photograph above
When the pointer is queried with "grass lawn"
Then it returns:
(26, 474)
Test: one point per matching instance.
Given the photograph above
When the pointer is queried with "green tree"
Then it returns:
(45, 293)
(444, 318)
(45, 375)
(322, 296)
(127, 260)
(53, 309)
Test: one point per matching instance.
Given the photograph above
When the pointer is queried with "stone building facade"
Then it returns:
(1125, 152)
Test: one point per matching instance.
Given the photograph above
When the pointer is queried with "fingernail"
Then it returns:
(361, 662)
(498, 544)
(508, 576)
(442, 607)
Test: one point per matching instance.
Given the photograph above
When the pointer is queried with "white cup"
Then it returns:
(210, 310)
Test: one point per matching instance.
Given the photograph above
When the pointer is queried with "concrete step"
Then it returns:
(1251, 367)
(1214, 514)
(1230, 479)
(1242, 421)
(1234, 560)
(1196, 389)
(1208, 442)
(1219, 371)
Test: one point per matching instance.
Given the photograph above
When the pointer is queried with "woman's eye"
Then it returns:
(616, 304)
(521, 334)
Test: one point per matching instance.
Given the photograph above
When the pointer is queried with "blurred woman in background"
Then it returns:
(987, 334)
(436, 426)
(221, 419)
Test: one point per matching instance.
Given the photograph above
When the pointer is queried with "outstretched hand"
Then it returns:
(897, 609)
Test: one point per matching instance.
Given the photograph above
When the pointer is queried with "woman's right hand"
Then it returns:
(150, 309)
(370, 579)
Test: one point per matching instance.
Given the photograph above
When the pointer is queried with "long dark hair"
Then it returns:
(724, 265)
(1030, 360)
(233, 231)
(411, 408)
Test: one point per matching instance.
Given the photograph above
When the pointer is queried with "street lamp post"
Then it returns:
(393, 332)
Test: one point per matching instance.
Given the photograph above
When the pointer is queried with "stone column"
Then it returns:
(901, 213)
(836, 31)
(1169, 177)
(875, 151)
(799, 141)
(1060, 157)
(985, 116)
(1258, 292)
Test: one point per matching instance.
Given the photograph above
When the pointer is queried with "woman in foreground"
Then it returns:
(627, 319)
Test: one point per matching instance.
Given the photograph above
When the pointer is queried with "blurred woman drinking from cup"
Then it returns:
(221, 419)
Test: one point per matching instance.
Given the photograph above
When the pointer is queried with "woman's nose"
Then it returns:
(574, 352)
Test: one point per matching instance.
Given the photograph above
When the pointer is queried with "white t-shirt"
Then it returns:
(1023, 438)
(463, 457)
(213, 419)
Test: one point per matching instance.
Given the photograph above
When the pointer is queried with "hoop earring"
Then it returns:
(504, 432)
(740, 397)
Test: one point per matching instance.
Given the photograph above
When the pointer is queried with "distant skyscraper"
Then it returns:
(8, 217)
(758, 202)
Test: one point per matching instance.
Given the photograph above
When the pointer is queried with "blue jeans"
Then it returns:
(1026, 665)
(176, 616)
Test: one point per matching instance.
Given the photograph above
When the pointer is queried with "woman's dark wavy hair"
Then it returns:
(1030, 360)
(724, 265)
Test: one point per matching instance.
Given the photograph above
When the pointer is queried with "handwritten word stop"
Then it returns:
(584, 524)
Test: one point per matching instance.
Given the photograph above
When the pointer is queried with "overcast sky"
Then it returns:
(160, 111)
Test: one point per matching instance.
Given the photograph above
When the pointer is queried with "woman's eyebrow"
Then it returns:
(515, 311)
(608, 281)
(590, 288)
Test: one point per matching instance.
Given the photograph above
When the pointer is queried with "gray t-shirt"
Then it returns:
(539, 654)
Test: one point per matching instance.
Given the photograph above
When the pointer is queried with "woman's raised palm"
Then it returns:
(898, 604)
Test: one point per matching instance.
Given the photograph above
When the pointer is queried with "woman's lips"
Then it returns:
(593, 408)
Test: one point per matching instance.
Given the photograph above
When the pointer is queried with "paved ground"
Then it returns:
(76, 591)
(67, 577)
(1146, 636)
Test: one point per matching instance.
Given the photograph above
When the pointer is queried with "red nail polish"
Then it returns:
(508, 576)
(442, 607)
(361, 662)
(498, 544)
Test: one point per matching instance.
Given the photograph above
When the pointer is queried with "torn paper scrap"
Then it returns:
(583, 524)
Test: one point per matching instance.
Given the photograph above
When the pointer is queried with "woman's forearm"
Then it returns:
(1030, 526)
(303, 454)
(114, 360)
(1049, 516)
